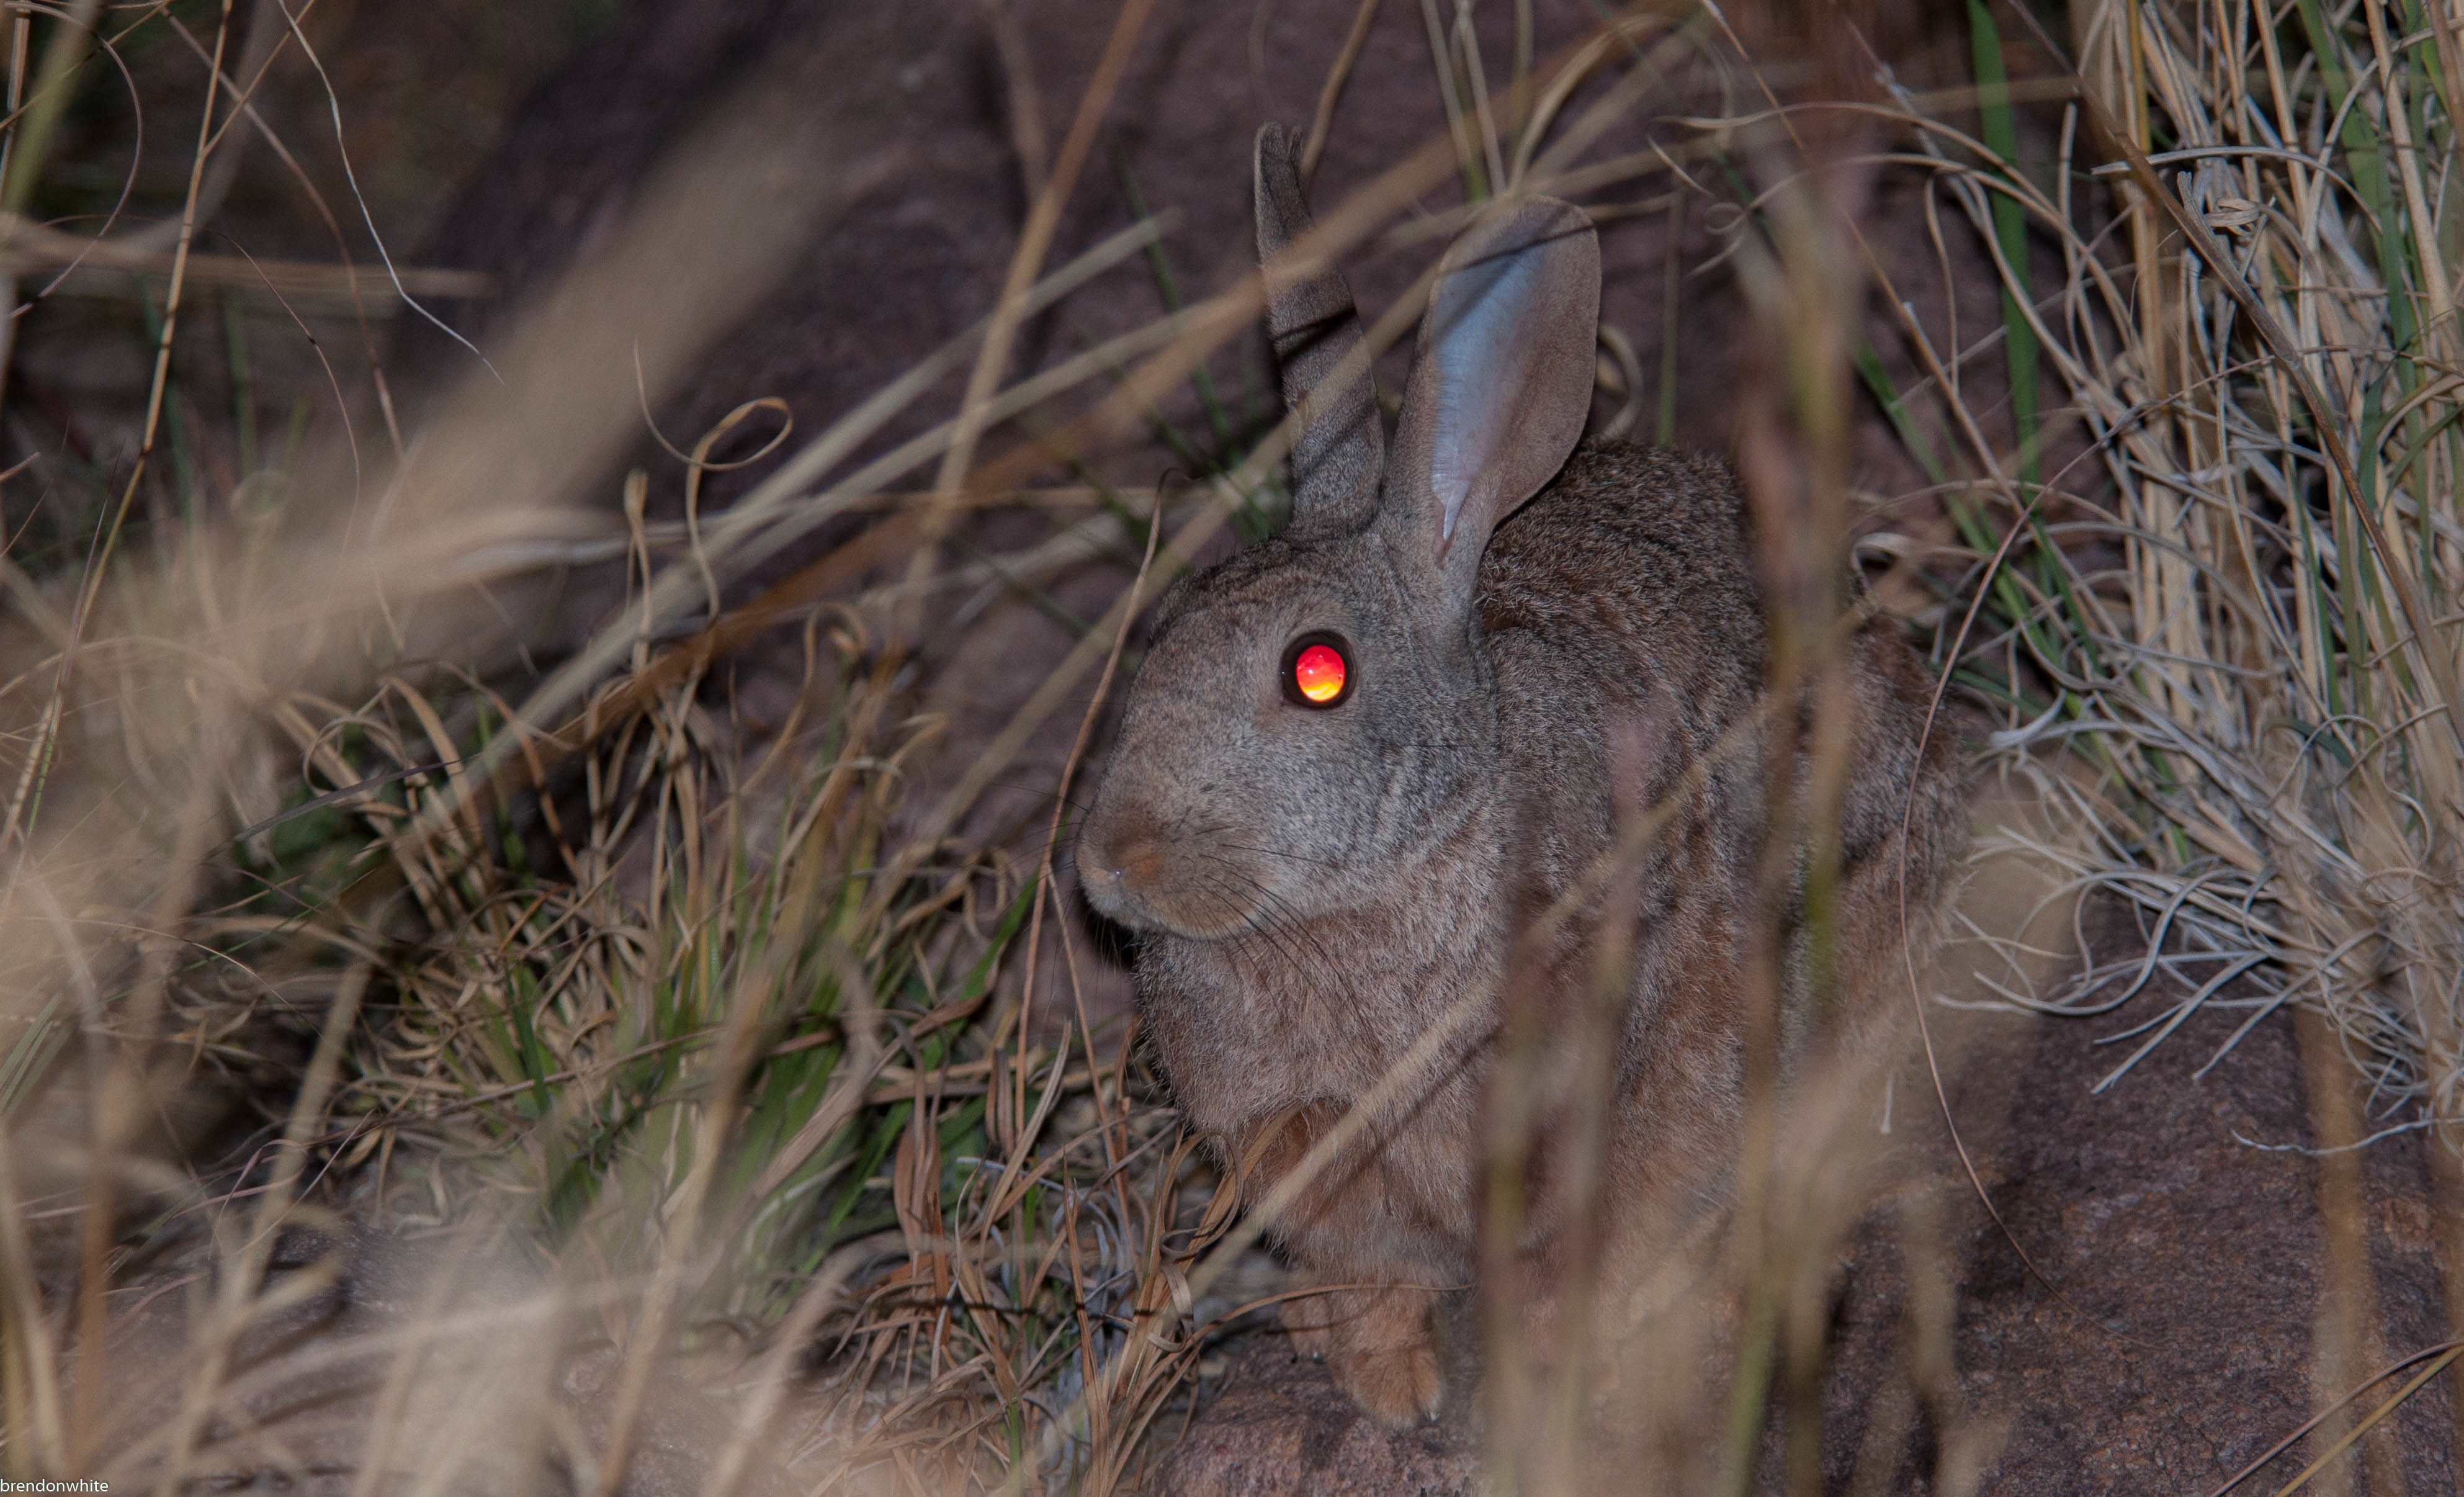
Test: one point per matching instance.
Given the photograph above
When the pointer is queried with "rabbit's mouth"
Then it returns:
(1149, 880)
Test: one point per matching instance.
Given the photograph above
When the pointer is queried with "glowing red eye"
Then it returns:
(1315, 671)
(1319, 673)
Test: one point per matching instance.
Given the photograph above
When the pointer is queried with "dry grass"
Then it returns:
(2268, 377)
(768, 1069)
(2238, 597)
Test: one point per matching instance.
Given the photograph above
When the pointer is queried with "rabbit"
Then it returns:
(1359, 755)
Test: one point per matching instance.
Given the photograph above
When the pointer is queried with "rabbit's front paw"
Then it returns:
(1377, 1342)
(1398, 1385)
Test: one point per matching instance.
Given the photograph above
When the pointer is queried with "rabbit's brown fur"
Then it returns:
(1313, 888)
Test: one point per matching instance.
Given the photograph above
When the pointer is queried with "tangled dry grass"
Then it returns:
(770, 1063)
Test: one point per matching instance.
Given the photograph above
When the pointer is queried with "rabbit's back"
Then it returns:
(1622, 614)
(1624, 618)
(1621, 619)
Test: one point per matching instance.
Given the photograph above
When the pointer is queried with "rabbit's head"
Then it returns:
(1314, 714)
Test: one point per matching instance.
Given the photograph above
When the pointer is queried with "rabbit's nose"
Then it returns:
(1131, 864)
(1119, 860)
(1136, 865)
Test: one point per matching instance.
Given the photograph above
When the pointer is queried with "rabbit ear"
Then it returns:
(1340, 457)
(1501, 385)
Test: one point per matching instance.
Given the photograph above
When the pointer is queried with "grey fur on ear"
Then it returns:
(1502, 384)
(1339, 460)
